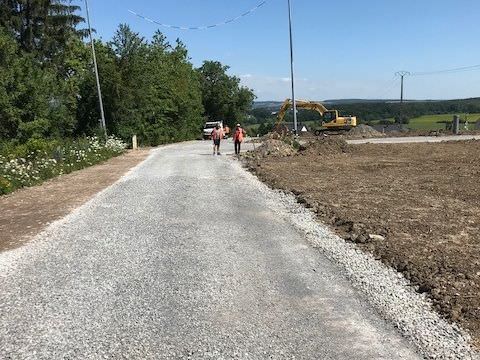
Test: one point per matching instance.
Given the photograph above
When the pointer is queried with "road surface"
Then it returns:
(183, 259)
(414, 139)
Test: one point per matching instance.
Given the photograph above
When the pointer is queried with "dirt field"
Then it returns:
(27, 211)
(421, 203)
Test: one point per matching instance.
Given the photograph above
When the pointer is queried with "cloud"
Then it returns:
(246, 76)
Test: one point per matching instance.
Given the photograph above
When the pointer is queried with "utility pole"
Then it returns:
(402, 74)
(292, 72)
(102, 120)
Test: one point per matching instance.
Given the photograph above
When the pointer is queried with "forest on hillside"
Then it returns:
(150, 87)
(375, 111)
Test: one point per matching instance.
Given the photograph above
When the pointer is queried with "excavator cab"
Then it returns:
(330, 116)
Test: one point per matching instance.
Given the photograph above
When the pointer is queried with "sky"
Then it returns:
(343, 48)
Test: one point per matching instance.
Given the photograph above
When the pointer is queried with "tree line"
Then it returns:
(150, 87)
(374, 111)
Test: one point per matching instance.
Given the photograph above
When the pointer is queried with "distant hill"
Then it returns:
(356, 101)
(266, 104)
(374, 109)
(277, 104)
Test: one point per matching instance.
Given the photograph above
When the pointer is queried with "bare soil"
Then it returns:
(26, 212)
(416, 207)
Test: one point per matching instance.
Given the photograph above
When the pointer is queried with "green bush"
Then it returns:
(38, 160)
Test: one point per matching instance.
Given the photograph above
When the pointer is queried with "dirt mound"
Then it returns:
(326, 147)
(385, 198)
(363, 131)
(271, 136)
(274, 148)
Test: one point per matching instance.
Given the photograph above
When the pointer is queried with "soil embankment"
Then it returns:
(416, 207)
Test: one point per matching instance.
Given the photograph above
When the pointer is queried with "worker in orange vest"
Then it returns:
(217, 136)
(238, 137)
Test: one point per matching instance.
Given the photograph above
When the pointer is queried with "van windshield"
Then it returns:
(210, 125)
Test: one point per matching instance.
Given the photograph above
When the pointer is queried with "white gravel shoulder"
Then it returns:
(10, 259)
(387, 290)
(86, 289)
(414, 139)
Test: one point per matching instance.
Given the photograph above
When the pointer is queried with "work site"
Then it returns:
(413, 206)
(157, 203)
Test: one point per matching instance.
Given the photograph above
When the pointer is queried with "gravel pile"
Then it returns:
(388, 291)
(274, 148)
(326, 146)
(363, 131)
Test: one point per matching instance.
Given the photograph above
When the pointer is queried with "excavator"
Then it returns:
(331, 121)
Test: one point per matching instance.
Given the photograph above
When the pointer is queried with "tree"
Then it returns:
(41, 26)
(402, 119)
(34, 103)
(150, 89)
(223, 97)
(9, 66)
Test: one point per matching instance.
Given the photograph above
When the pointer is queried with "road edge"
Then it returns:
(10, 259)
(387, 290)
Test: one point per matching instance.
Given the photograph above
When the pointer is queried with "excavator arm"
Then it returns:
(331, 120)
(301, 104)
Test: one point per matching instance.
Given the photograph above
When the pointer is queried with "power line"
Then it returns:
(447, 71)
(402, 74)
(203, 27)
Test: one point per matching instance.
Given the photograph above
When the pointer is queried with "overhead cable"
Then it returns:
(447, 71)
(203, 27)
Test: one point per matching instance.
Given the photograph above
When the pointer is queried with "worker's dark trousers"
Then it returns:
(237, 147)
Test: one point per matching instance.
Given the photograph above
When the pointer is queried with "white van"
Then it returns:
(208, 128)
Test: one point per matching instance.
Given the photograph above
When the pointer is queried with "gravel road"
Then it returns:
(414, 139)
(183, 258)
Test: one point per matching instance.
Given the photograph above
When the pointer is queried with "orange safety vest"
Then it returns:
(239, 134)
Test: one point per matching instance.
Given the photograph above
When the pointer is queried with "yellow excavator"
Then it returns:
(331, 121)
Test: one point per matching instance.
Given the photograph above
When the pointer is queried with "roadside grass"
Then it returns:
(425, 122)
(434, 122)
(430, 122)
(39, 159)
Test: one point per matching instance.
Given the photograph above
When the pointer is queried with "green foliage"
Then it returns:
(150, 89)
(402, 119)
(38, 159)
(383, 112)
(223, 97)
(265, 128)
(35, 100)
(437, 122)
(9, 67)
(42, 27)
